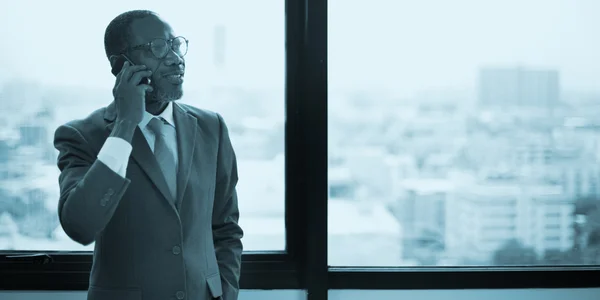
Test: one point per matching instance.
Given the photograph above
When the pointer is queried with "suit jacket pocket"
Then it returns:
(98, 293)
(214, 285)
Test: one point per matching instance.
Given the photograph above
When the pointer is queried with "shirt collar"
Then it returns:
(167, 114)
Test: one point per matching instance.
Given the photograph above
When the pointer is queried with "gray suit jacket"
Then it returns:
(146, 247)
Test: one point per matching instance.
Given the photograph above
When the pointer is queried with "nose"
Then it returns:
(173, 58)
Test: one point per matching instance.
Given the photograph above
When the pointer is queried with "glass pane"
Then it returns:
(464, 132)
(235, 66)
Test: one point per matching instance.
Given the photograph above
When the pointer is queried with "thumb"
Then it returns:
(149, 89)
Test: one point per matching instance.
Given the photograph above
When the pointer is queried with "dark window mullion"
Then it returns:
(313, 132)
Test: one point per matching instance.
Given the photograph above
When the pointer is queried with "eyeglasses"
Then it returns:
(160, 47)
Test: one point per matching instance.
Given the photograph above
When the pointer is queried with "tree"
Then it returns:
(557, 257)
(586, 205)
(589, 207)
(512, 253)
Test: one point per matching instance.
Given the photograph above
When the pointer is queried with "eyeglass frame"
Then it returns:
(148, 46)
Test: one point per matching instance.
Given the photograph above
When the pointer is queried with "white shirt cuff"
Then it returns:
(115, 154)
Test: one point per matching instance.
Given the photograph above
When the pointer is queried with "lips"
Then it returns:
(175, 77)
(174, 74)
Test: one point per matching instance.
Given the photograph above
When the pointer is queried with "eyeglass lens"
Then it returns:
(160, 47)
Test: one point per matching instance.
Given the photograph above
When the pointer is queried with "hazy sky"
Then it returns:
(404, 45)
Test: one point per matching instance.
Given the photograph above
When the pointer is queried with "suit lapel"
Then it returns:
(142, 154)
(187, 126)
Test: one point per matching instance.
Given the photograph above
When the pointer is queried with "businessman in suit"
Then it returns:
(152, 182)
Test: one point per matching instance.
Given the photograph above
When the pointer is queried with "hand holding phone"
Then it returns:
(118, 66)
(129, 93)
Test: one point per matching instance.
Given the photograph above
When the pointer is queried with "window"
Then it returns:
(475, 102)
(55, 70)
(381, 191)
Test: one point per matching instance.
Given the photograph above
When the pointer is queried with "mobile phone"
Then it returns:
(119, 65)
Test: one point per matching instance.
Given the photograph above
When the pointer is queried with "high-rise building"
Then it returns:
(219, 50)
(518, 87)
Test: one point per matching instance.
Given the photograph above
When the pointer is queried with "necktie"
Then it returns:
(164, 156)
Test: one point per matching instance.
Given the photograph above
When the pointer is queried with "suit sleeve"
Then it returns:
(227, 233)
(89, 190)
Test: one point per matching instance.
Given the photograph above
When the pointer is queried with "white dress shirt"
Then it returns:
(115, 151)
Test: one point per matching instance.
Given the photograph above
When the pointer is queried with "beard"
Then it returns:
(165, 95)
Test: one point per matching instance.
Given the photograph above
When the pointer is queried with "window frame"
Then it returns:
(303, 265)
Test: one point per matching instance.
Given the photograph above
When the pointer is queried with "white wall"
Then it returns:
(529, 294)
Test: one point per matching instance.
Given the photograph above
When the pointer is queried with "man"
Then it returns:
(150, 181)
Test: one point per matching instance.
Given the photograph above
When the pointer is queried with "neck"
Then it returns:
(156, 108)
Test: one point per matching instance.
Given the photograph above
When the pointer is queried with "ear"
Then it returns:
(114, 61)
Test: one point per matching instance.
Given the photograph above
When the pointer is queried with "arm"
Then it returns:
(90, 189)
(227, 233)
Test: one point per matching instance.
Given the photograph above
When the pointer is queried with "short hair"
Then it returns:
(118, 33)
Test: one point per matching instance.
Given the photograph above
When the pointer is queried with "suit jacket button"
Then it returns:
(176, 250)
(110, 192)
(180, 295)
(103, 202)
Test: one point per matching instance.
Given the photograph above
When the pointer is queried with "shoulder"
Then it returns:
(92, 125)
(88, 133)
(207, 119)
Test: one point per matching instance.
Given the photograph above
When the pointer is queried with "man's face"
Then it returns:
(166, 88)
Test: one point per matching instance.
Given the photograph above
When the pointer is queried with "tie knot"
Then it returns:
(156, 125)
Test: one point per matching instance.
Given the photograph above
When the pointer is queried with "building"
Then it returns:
(482, 218)
(518, 87)
(421, 210)
(581, 181)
